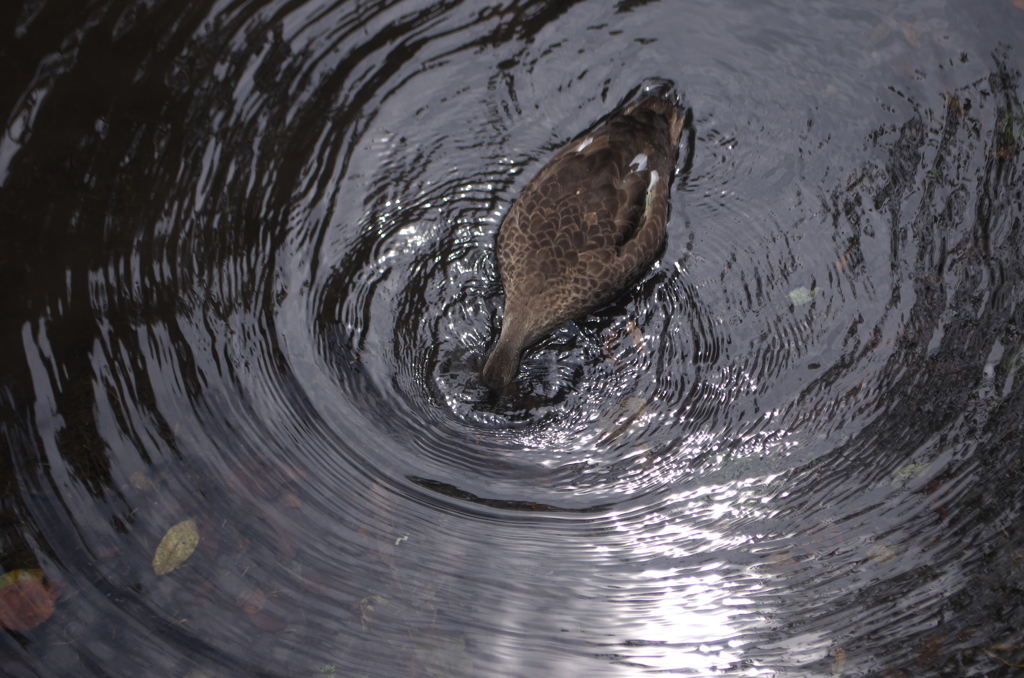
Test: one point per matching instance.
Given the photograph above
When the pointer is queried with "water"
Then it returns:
(246, 251)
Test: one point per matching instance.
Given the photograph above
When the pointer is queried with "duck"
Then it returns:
(590, 222)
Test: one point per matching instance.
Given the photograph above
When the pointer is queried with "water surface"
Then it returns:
(246, 254)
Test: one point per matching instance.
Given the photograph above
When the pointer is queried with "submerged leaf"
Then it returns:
(840, 662)
(1003, 647)
(635, 333)
(883, 552)
(931, 651)
(909, 472)
(252, 601)
(140, 481)
(618, 420)
(880, 33)
(176, 546)
(366, 607)
(911, 34)
(25, 600)
(267, 621)
(441, 655)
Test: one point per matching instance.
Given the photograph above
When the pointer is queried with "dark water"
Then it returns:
(246, 258)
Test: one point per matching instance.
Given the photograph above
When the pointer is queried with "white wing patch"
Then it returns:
(654, 180)
(586, 142)
(650, 191)
(640, 161)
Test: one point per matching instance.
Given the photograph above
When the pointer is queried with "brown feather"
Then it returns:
(586, 226)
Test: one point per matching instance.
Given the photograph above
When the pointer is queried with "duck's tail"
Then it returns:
(663, 88)
(659, 96)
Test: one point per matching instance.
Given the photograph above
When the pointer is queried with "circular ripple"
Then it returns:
(260, 285)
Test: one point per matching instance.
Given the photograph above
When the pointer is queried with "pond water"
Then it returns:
(248, 278)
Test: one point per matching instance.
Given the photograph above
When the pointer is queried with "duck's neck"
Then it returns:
(503, 362)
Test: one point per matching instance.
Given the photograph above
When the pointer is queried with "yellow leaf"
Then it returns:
(176, 546)
(15, 576)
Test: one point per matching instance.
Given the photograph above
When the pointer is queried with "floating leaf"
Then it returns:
(801, 296)
(176, 546)
(25, 601)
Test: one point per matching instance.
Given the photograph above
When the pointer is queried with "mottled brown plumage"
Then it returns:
(587, 225)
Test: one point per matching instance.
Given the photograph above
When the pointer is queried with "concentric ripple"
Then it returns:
(247, 249)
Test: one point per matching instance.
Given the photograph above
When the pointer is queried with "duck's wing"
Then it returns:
(640, 235)
(588, 198)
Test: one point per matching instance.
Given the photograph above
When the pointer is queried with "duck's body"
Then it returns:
(583, 229)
